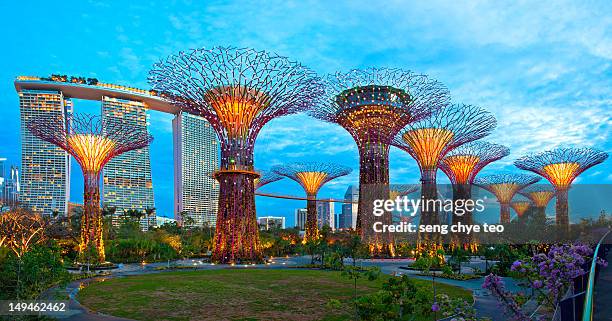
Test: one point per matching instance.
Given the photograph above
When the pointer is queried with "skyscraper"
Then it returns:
(196, 158)
(127, 182)
(348, 218)
(11, 187)
(326, 215)
(300, 218)
(45, 167)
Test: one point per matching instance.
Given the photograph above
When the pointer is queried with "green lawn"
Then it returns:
(237, 294)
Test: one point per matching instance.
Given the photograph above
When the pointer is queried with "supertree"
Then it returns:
(504, 187)
(560, 167)
(520, 207)
(93, 142)
(431, 139)
(311, 176)
(237, 91)
(265, 178)
(373, 105)
(539, 195)
(461, 165)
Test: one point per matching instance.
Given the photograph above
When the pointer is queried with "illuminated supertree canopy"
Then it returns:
(311, 176)
(461, 165)
(238, 91)
(520, 206)
(265, 178)
(93, 142)
(504, 187)
(560, 167)
(373, 105)
(431, 139)
(539, 194)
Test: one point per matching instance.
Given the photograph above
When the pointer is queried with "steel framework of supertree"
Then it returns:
(265, 178)
(540, 195)
(311, 176)
(429, 140)
(237, 91)
(560, 167)
(373, 105)
(461, 165)
(504, 187)
(93, 142)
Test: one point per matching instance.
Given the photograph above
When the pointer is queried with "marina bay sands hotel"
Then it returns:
(127, 182)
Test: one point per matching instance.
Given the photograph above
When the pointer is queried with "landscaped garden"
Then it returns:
(240, 294)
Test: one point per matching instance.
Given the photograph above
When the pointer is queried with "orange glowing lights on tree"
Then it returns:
(561, 174)
(311, 176)
(560, 167)
(427, 144)
(92, 142)
(504, 187)
(520, 207)
(373, 105)
(461, 165)
(237, 91)
(429, 140)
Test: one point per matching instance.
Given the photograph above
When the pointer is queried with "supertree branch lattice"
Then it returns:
(373, 105)
(461, 165)
(430, 139)
(560, 167)
(540, 195)
(265, 178)
(504, 187)
(238, 91)
(311, 176)
(92, 142)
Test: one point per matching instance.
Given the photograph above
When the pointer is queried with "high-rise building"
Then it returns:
(196, 158)
(348, 218)
(326, 215)
(127, 182)
(45, 168)
(11, 187)
(3, 181)
(300, 218)
(271, 222)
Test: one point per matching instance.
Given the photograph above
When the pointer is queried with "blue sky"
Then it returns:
(543, 68)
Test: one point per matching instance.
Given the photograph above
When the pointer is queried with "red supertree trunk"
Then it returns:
(91, 221)
(373, 185)
(562, 212)
(237, 234)
(504, 213)
(312, 229)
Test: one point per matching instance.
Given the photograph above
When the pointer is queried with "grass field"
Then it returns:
(236, 294)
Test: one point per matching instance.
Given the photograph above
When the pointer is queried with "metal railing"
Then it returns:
(587, 313)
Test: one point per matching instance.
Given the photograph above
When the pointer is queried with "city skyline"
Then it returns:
(541, 86)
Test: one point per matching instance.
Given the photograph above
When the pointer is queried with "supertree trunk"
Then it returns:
(562, 212)
(463, 193)
(373, 185)
(504, 213)
(237, 235)
(312, 229)
(429, 242)
(91, 221)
